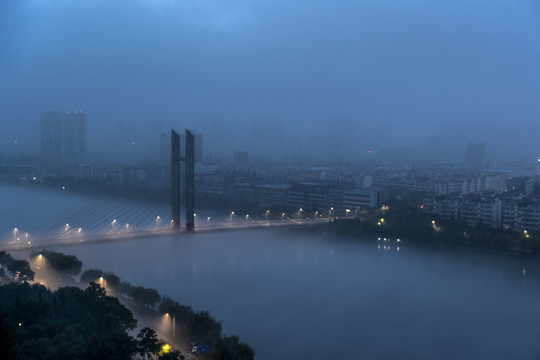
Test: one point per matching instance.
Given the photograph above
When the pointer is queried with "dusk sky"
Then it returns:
(406, 64)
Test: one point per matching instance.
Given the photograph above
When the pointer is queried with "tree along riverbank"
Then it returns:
(411, 225)
(41, 333)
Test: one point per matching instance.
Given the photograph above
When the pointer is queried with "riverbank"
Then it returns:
(58, 272)
(414, 227)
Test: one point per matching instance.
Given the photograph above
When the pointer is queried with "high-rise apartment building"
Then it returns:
(63, 136)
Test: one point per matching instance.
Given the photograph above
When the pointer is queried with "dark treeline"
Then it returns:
(199, 326)
(70, 323)
(66, 264)
(146, 297)
(203, 327)
(19, 269)
(412, 225)
(37, 323)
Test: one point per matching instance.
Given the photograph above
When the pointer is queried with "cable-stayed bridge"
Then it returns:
(94, 219)
(98, 219)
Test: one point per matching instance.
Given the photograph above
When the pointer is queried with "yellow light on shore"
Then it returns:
(165, 348)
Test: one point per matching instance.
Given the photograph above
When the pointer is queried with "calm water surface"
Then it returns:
(318, 297)
(294, 296)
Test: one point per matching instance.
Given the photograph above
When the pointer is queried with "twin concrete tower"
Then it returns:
(189, 159)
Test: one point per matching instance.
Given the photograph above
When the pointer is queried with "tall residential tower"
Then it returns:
(63, 136)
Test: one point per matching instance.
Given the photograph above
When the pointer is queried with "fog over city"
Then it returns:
(292, 73)
(269, 179)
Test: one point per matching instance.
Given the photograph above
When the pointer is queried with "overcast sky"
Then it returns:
(409, 64)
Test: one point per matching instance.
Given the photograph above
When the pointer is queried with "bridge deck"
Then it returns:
(139, 234)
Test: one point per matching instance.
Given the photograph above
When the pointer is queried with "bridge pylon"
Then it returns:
(189, 179)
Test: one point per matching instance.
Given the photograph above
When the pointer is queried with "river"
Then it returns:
(293, 295)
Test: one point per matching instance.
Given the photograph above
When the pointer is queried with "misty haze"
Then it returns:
(209, 179)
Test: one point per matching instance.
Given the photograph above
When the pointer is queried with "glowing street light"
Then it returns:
(282, 216)
(165, 349)
(247, 217)
(15, 234)
(103, 282)
(208, 219)
(232, 214)
(113, 223)
(158, 220)
(266, 215)
(173, 319)
(347, 211)
(331, 210)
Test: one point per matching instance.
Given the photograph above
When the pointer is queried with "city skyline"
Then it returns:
(400, 71)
